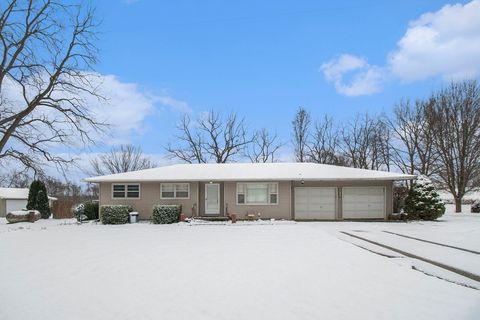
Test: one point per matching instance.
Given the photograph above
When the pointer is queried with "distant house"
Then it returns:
(300, 191)
(12, 199)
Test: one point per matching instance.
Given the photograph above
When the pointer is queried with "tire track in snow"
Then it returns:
(461, 272)
(432, 242)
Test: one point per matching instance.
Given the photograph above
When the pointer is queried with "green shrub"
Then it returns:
(43, 205)
(115, 214)
(90, 209)
(38, 199)
(163, 214)
(423, 201)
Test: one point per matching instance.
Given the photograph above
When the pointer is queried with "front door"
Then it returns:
(212, 198)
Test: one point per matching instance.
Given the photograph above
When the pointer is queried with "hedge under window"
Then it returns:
(175, 191)
(257, 193)
(120, 191)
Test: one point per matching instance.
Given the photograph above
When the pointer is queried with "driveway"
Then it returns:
(280, 270)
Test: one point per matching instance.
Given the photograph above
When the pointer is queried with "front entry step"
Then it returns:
(212, 218)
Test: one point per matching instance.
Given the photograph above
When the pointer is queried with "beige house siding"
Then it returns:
(149, 196)
(3, 208)
(278, 211)
(195, 205)
(388, 185)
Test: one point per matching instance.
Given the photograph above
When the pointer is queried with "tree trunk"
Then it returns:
(458, 205)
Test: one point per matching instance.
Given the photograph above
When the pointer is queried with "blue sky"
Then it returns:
(264, 59)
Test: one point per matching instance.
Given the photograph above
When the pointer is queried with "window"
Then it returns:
(257, 193)
(175, 190)
(120, 191)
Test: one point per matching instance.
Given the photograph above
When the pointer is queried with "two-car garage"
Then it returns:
(332, 203)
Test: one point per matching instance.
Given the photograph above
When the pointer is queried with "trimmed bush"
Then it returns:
(423, 201)
(91, 210)
(87, 208)
(163, 214)
(115, 214)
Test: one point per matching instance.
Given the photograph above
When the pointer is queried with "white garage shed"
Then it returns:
(12, 199)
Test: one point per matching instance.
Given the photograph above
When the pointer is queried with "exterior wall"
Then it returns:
(339, 184)
(282, 210)
(149, 196)
(195, 205)
(3, 208)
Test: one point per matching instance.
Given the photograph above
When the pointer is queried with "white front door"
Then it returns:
(212, 198)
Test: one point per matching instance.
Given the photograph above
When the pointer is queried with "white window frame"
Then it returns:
(126, 190)
(174, 190)
(257, 204)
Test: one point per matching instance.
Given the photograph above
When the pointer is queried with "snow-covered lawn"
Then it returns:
(282, 270)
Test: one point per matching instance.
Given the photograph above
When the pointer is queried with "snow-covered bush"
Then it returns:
(91, 209)
(423, 202)
(475, 206)
(115, 214)
(163, 214)
(87, 209)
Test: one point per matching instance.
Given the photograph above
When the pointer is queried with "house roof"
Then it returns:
(250, 172)
(16, 194)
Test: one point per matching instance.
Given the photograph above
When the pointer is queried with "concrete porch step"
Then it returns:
(212, 218)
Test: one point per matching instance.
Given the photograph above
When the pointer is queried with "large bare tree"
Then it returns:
(301, 126)
(212, 138)
(47, 53)
(120, 159)
(454, 119)
(412, 149)
(325, 143)
(264, 147)
(364, 143)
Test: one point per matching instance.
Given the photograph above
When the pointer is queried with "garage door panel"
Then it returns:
(15, 205)
(363, 203)
(315, 203)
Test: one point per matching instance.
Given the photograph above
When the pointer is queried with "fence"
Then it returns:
(62, 208)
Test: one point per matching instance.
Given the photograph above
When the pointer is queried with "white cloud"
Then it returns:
(366, 79)
(125, 107)
(444, 43)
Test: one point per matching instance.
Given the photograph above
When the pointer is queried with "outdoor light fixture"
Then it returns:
(210, 181)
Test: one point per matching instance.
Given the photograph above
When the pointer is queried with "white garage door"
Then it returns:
(363, 203)
(15, 205)
(315, 203)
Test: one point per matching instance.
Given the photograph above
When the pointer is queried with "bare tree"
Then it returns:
(363, 141)
(120, 159)
(325, 143)
(46, 54)
(189, 145)
(301, 126)
(264, 147)
(212, 139)
(454, 118)
(411, 146)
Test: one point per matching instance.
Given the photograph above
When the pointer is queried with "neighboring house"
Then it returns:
(12, 199)
(301, 191)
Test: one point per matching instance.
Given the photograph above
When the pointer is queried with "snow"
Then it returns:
(57, 269)
(16, 193)
(250, 172)
(20, 212)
